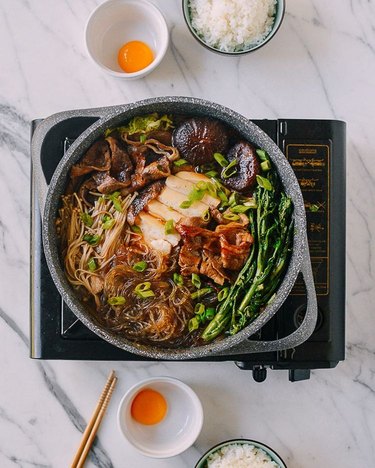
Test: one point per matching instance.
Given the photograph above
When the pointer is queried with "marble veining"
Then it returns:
(321, 64)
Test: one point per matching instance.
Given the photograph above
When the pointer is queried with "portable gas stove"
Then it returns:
(316, 151)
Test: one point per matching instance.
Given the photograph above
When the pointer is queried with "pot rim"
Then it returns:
(113, 116)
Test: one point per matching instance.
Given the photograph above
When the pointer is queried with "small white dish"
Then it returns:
(176, 432)
(116, 22)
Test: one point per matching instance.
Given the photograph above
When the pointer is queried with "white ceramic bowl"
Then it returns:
(116, 22)
(176, 432)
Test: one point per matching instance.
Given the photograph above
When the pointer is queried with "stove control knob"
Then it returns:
(259, 374)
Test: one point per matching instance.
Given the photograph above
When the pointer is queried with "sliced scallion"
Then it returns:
(200, 293)
(92, 239)
(169, 227)
(210, 313)
(265, 166)
(229, 170)
(231, 216)
(262, 154)
(116, 300)
(221, 159)
(211, 174)
(91, 264)
(196, 280)
(193, 324)
(180, 162)
(264, 183)
(223, 293)
(199, 309)
(87, 219)
(239, 209)
(136, 229)
(108, 222)
(144, 290)
(178, 279)
(140, 266)
(142, 138)
(186, 204)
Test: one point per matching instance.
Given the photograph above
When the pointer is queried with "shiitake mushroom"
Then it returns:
(197, 139)
(245, 170)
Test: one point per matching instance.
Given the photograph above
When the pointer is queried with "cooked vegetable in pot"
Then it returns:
(173, 232)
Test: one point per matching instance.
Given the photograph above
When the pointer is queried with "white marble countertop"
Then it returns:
(320, 65)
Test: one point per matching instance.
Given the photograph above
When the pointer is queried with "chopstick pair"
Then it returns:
(94, 423)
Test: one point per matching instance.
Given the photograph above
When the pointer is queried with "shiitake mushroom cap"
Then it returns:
(197, 139)
(247, 167)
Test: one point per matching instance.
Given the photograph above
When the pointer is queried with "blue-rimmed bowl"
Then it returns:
(279, 16)
(202, 462)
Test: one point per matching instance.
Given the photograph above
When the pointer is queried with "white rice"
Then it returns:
(240, 456)
(232, 25)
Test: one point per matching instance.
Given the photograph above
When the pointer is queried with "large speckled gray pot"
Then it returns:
(112, 116)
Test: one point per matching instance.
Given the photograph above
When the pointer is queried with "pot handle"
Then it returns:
(298, 336)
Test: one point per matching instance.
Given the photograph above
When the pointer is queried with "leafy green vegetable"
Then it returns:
(271, 225)
(143, 124)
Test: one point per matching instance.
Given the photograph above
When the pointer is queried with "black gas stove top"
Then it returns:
(316, 151)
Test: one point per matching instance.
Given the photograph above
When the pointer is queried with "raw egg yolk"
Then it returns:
(149, 407)
(134, 56)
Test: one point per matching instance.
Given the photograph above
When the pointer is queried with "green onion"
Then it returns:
(136, 229)
(206, 215)
(169, 227)
(178, 279)
(221, 159)
(108, 222)
(114, 197)
(264, 183)
(200, 293)
(116, 300)
(222, 196)
(92, 239)
(210, 313)
(201, 185)
(229, 170)
(233, 199)
(262, 154)
(199, 309)
(142, 138)
(180, 162)
(140, 266)
(193, 324)
(211, 173)
(87, 219)
(223, 293)
(231, 216)
(196, 280)
(186, 204)
(239, 209)
(251, 203)
(265, 166)
(314, 208)
(91, 264)
(144, 290)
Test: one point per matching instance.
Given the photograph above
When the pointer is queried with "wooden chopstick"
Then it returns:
(94, 423)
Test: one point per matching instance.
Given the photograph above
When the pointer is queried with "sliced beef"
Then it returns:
(97, 158)
(213, 253)
(84, 191)
(164, 136)
(144, 197)
(235, 243)
(122, 166)
(108, 184)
